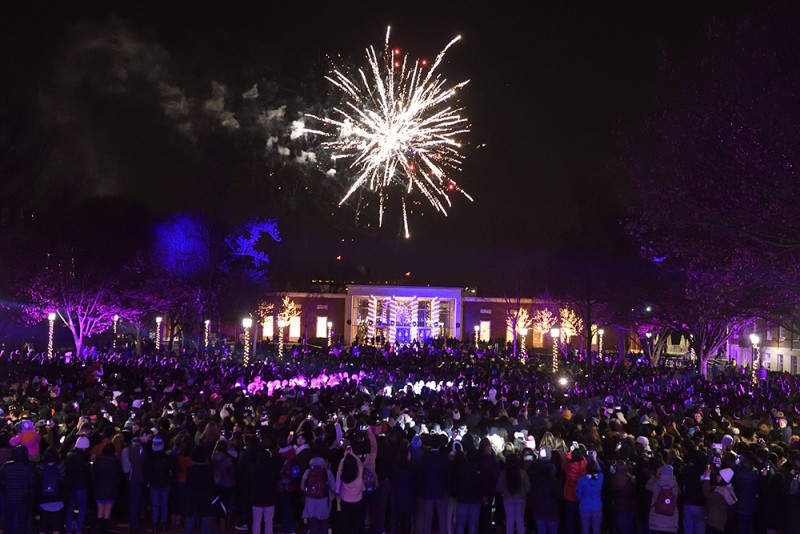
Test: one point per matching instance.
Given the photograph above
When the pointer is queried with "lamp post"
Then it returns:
(477, 335)
(600, 333)
(247, 324)
(281, 324)
(114, 330)
(51, 317)
(158, 332)
(555, 333)
(206, 331)
(755, 340)
(330, 330)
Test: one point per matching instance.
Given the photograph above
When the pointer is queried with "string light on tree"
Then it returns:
(206, 332)
(330, 329)
(555, 333)
(477, 335)
(288, 312)
(51, 317)
(247, 324)
(755, 339)
(158, 333)
(600, 333)
(281, 325)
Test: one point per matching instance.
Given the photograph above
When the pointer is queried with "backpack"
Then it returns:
(50, 483)
(370, 482)
(665, 501)
(317, 483)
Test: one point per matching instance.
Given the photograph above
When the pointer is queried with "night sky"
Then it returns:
(147, 104)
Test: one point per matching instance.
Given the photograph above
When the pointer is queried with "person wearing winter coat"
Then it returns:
(589, 492)
(660, 485)
(76, 472)
(434, 482)
(263, 480)
(18, 486)
(719, 499)
(106, 474)
(161, 475)
(574, 466)
(466, 487)
(545, 495)
(28, 436)
(200, 491)
(514, 486)
(51, 492)
(317, 509)
(622, 492)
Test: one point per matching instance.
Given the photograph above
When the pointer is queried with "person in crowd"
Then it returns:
(546, 493)
(693, 496)
(589, 492)
(200, 491)
(664, 515)
(106, 475)
(574, 467)
(466, 487)
(224, 465)
(263, 479)
(350, 490)
(434, 476)
(317, 486)
(514, 485)
(51, 492)
(137, 464)
(76, 472)
(720, 498)
(160, 478)
(746, 482)
(18, 486)
(622, 493)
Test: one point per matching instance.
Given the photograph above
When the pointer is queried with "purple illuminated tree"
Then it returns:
(86, 305)
(716, 172)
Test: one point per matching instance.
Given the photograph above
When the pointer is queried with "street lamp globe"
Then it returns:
(755, 339)
(51, 316)
(247, 322)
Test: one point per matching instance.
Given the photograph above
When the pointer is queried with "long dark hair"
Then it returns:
(513, 474)
(349, 469)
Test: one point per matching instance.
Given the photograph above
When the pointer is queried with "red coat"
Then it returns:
(573, 471)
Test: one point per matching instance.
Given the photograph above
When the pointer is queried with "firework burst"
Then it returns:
(399, 126)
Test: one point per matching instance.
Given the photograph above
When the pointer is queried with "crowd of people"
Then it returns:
(396, 440)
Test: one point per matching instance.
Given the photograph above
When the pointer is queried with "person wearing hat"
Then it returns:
(663, 505)
(719, 498)
(76, 472)
(28, 436)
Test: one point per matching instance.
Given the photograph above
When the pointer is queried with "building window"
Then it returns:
(268, 328)
(769, 334)
(794, 365)
(766, 362)
(780, 363)
(322, 327)
(485, 331)
(294, 328)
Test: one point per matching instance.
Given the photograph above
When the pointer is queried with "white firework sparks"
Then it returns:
(400, 127)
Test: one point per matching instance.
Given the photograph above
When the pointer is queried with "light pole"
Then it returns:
(524, 332)
(477, 335)
(330, 330)
(755, 340)
(158, 332)
(51, 317)
(555, 333)
(206, 330)
(247, 324)
(600, 333)
(281, 324)
(114, 330)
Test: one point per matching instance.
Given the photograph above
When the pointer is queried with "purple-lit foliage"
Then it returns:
(243, 252)
(85, 305)
(716, 172)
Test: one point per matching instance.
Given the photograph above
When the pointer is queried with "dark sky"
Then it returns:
(146, 103)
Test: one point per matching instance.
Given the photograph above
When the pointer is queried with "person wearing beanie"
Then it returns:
(663, 505)
(719, 498)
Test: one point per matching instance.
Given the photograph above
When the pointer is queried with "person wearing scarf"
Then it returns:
(719, 498)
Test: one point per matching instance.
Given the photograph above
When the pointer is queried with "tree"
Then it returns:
(518, 321)
(571, 325)
(716, 172)
(84, 304)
